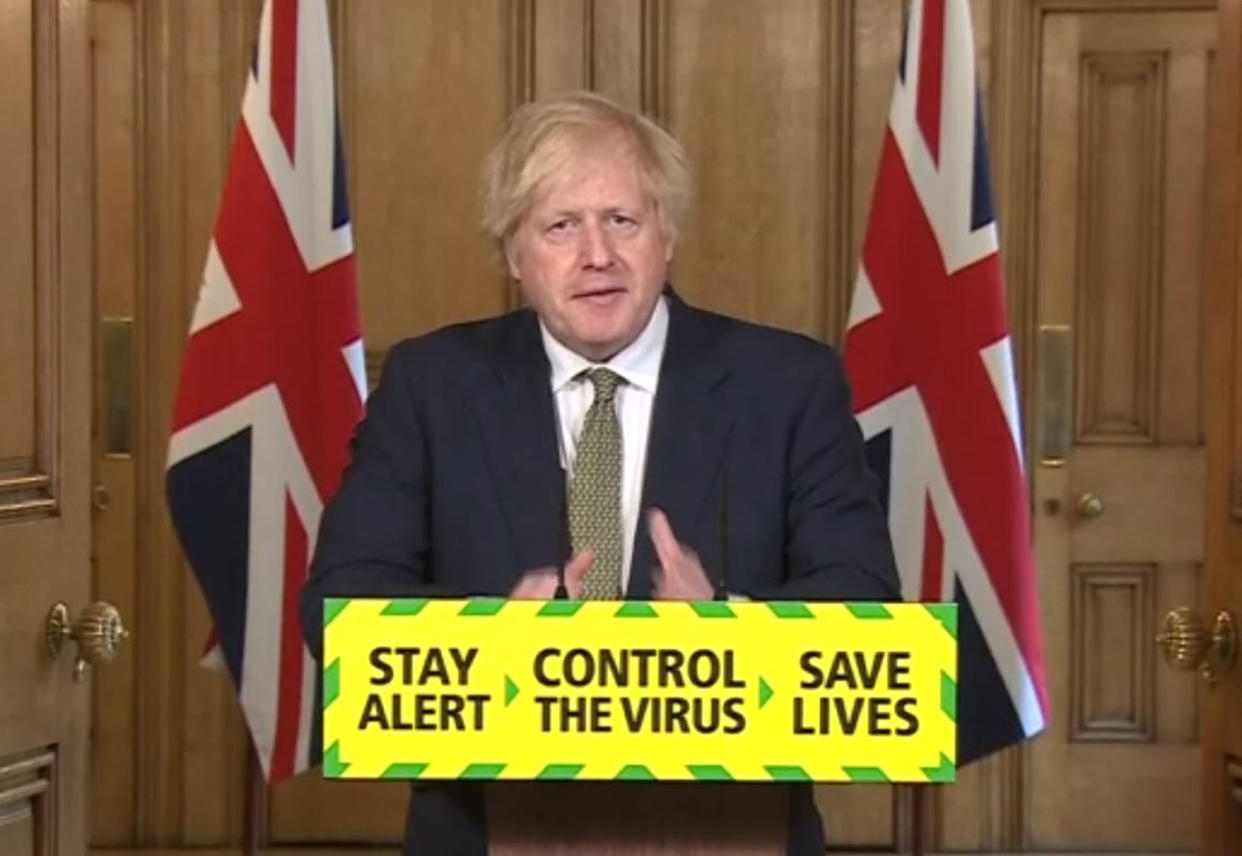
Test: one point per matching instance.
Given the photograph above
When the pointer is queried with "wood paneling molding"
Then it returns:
(519, 53)
(158, 789)
(1119, 255)
(29, 270)
(27, 803)
(1112, 686)
(114, 746)
(654, 59)
(562, 45)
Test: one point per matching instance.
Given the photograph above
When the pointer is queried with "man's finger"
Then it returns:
(536, 584)
(577, 567)
(668, 549)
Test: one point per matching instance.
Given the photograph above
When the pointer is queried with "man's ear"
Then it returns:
(511, 257)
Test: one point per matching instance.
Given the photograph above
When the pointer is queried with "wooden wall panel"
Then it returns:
(1112, 613)
(877, 34)
(748, 97)
(17, 264)
(1180, 378)
(414, 157)
(624, 37)
(563, 45)
(1123, 98)
(27, 804)
(115, 97)
(45, 384)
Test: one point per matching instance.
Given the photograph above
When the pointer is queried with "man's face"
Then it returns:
(590, 253)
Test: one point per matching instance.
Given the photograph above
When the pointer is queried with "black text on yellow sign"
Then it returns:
(603, 690)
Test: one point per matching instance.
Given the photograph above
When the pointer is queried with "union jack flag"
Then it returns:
(272, 380)
(928, 355)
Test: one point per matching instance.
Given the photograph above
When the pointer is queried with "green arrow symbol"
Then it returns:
(511, 690)
(765, 693)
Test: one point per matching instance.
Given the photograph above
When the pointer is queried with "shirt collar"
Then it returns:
(638, 363)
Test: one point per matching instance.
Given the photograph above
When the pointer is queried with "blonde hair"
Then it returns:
(541, 139)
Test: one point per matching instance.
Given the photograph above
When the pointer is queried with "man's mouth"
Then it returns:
(603, 294)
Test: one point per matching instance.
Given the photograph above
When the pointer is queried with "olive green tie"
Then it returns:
(595, 490)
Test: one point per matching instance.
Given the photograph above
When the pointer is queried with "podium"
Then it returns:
(636, 818)
(599, 727)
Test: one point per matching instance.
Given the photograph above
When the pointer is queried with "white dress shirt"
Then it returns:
(639, 365)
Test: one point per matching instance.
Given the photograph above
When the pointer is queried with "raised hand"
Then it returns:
(540, 583)
(680, 575)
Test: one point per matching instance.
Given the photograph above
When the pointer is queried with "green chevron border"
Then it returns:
(790, 609)
(948, 696)
(333, 766)
(403, 770)
(482, 771)
(945, 771)
(560, 608)
(482, 607)
(636, 609)
(560, 771)
(788, 773)
(635, 773)
(869, 611)
(712, 609)
(332, 607)
(946, 614)
(709, 772)
(331, 682)
(404, 606)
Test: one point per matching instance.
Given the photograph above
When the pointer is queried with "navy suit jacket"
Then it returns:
(455, 489)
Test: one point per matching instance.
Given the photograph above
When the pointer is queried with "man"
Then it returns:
(657, 450)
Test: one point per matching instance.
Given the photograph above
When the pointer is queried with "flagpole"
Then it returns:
(252, 810)
(916, 791)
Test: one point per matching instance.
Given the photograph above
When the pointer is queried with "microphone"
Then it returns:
(722, 580)
(562, 593)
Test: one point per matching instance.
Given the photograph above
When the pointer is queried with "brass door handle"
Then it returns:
(1188, 646)
(1089, 505)
(98, 632)
(101, 499)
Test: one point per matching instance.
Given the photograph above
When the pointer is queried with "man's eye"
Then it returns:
(559, 226)
(622, 220)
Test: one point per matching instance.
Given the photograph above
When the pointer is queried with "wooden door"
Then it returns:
(44, 420)
(1119, 467)
(1222, 707)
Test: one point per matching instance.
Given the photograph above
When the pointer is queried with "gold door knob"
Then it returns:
(1187, 644)
(98, 632)
(1090, 505)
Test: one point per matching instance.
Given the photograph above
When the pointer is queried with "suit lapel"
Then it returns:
(517, 418)
(690, 426)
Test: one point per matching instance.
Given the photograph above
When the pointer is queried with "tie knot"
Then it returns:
(605, 383)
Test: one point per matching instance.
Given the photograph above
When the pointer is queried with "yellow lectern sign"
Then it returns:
(499, 689)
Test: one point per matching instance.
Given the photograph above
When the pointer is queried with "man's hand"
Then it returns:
(680, 575)
(540, 584)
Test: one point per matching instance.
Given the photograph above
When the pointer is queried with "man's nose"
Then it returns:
(596, 246)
